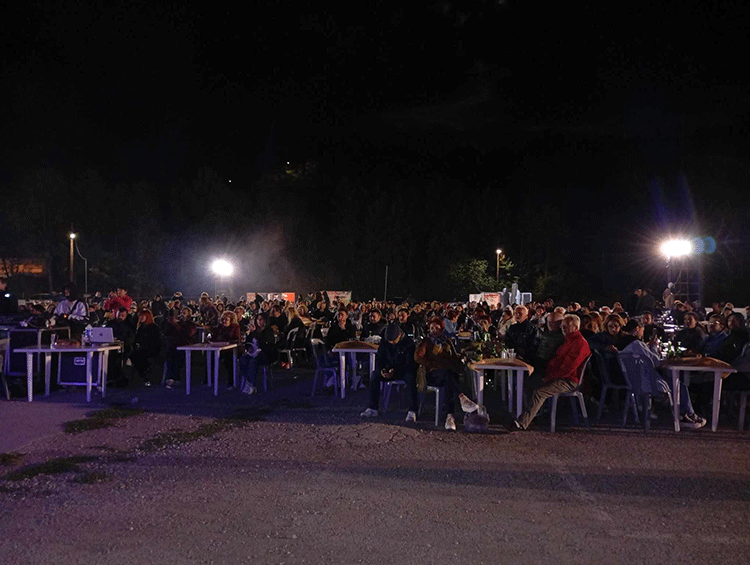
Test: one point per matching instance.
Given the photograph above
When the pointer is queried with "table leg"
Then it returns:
(216, 373)
(47, 372)
(717, 401)
(509, 377)
(479, 376)
(209, 370)
(372, 364)
(519, 391)
(103, 362)
(342, 368)
(29, 376)
(89, 362)
(234, 367)
(675, 398)
(188, 371)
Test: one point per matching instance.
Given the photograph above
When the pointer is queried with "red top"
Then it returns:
(114, 304)
(567, 362)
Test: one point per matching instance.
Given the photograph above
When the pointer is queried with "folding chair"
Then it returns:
(641, 379)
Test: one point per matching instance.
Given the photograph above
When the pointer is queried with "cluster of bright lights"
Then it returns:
(222, 268)
(676, 248)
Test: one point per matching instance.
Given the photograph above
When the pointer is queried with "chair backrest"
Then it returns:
(602, 369)
(291, 337)
(582, 371)
(318, 351)
(638, 372)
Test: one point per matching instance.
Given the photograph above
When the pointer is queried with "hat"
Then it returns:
(392, 332)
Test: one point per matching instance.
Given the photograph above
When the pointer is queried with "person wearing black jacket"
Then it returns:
(260, 350)
(8, 300)
(394, 361)
(342, 330)
(375, 327)
(523, 336)
(146, 346)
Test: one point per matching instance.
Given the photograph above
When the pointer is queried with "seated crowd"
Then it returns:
(418, 343)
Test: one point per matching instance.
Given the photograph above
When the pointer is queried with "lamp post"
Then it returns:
(72, 242)
(85, 269)
(498, 252)
(677, 248)
(221, 268)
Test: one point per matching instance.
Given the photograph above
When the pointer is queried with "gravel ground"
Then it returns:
(283, 478)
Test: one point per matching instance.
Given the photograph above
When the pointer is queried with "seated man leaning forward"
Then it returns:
(394, 361)
(562, 371)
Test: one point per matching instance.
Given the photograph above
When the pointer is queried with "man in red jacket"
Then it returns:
(562, 371)
(121, 300)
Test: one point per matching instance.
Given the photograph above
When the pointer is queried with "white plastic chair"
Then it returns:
(321, 369)
(439, 394)
(575, 394)
(641, 379)
(290, 338)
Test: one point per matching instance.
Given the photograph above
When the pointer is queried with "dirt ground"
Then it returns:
(285, 478)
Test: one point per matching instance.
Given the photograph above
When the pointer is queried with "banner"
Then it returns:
(342, 296)
(288, 296)
(10, 267)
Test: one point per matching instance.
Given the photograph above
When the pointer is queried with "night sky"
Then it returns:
(630, 122)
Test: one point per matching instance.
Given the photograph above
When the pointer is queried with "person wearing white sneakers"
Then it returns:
(443, 367)
(394, 361)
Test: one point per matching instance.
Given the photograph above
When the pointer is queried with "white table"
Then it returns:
(702, 365)
(361, 347)
(212, 351)
(100, 349)
(516, 368)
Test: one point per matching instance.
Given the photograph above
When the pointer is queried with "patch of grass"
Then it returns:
(8, 459)
(91, 478)
(55, 466)
(100, 419)
(206, 429)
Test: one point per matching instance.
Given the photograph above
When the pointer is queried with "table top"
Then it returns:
(497, 363)
(355, 347)
(698, 364)
(70, 348)
(217, 346)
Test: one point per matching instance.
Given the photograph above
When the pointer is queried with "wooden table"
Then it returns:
(720, 369)
(212, 351)
(515, 367)
(101, 349)
(352, 348)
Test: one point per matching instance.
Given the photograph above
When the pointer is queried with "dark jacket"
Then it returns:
(398, 356)
(690, 339)
(124, 332)
(266, 342)
(148, 339)
(337, 335)
(733, 345)
(524, 339)
(180, 332)
(370, 329)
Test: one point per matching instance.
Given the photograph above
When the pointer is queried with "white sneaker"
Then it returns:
(450, 422)
(369, 413)
(249, 389)
(467, 405)
(411, 417)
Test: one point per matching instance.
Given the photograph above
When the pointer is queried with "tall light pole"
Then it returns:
(72, 242)
(498, 252)
(85, 269)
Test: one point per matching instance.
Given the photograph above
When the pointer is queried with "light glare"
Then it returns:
(222, 268)
(676, 248)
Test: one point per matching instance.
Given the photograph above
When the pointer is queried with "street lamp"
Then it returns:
(676, 248)
(221, 268)
(85, 269)
(72, 242)
(498, 252)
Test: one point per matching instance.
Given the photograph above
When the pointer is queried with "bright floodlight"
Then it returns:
(676, 248)
(498, 251)
(222, 268)
(72, 236)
